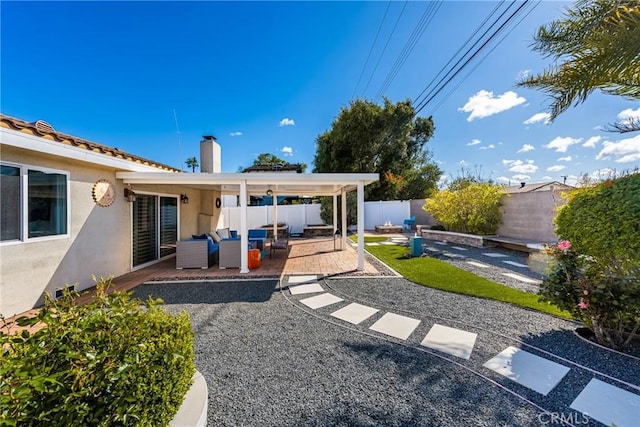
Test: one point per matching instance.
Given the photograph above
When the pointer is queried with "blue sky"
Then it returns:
(272, 76)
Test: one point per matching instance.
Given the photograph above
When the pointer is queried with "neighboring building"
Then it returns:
(279, 167)
(71, 209)
(528, 210)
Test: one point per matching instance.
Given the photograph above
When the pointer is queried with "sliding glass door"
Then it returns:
(155, 228)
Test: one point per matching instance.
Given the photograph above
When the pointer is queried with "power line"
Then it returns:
(371, 50)
(385, 46)
(418, 31)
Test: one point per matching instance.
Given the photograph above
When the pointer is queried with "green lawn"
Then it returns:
(437, 274)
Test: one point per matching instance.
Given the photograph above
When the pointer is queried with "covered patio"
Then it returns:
(245, 185)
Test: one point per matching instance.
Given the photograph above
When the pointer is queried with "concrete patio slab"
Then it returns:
(495, 255)
(527, 369)
(320, 301)
(523, 279)
(308, 288)
(478, 264)
(608, 404)
(355, 313)
(455, 342)
(302, 279)
(395, 325)
(458, 248)
(516, 264)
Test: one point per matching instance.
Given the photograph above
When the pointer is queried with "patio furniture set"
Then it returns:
(222, 247)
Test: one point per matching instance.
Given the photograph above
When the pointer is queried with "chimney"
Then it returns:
(522, 184)
(210, 155)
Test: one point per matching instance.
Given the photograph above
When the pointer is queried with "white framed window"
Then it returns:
(34, 202)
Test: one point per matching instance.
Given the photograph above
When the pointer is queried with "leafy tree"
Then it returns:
(596, 46)
(192, 162)
(474, 208)
(388, 139)
(272, 159)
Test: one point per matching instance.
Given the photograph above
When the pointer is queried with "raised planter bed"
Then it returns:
(459, 238)
(318, 230)
(389, 229)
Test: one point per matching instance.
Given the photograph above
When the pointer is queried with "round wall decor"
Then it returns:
(218, 202)
(103, 193)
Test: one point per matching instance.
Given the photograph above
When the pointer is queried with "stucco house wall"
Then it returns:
(99, 238)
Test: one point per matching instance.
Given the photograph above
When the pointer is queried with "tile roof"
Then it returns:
(44, 130)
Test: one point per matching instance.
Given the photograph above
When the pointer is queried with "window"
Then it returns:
(45, 212)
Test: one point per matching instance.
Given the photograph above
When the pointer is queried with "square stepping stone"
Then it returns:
(516, 264)
(608, 404)
(452, 255)
(494, 255)
(302, 279)
(527, 369)
(523, 278)
(320, 301)
(395, 325)
(458, 248)
(432, 249)
(455, 342)
(388, 243)
(373, 244)
(355, 313)
(441, 243)
(478, 264)
(308, 288)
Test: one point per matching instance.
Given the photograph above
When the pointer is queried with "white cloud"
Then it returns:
(503, 180)
(523, 74)
(521, 177)
(521, 167)
(625, 151)
(463, 163)
(547, 178)
(488, 147)
(526, 148)
(555, 168)
(506, 162)
(561, 144)
(287, 151)
(591, 142)
(484, 104)
(287, 122)
(539, 117)
(626, 115)
(565, 159)
(474, 142)
(235, 133)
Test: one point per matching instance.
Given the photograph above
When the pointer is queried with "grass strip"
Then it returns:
(438, 274)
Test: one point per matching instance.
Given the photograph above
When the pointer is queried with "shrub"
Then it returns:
(597, 275)
(115, 361)
(438, 227)
(474, 208)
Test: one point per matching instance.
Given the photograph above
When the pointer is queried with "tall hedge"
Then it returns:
(117, 361)
(604, 221)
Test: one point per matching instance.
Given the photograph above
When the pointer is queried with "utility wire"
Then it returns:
(416, 35)
(385, 46)
(433, 110)
(364, 67)
(451, 73)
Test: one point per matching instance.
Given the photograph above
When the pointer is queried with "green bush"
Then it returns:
(116, 361)
(597, 273)
(474, 209)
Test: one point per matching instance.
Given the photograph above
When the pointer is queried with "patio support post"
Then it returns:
(360, 225)
(244, 237)
(335, 213)
(343, 198)
(275, 216)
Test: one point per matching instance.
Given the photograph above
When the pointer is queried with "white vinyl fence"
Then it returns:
(297, 216)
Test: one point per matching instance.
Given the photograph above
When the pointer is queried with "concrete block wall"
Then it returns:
(530, 215)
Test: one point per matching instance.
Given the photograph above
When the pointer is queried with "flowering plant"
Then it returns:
(601, 293)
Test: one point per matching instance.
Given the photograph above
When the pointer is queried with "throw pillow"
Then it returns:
(199, 237)
(223, 233)
(216, 238)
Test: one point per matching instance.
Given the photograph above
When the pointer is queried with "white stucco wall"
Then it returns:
(99, 241)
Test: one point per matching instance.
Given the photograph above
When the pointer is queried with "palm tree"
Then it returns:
(596, 46)
(193, 163)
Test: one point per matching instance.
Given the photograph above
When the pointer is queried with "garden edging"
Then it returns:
(193, 411)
